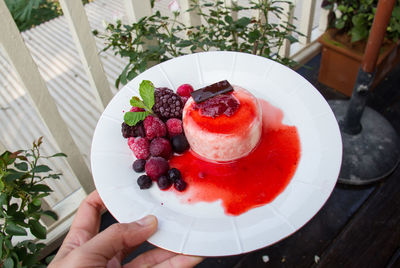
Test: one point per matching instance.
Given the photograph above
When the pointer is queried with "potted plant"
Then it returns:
(21, 193)
(344, 42)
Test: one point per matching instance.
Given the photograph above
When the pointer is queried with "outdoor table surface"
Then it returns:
(359, 226)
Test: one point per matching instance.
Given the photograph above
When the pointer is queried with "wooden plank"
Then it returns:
(288, 12)
(307, 20)
(189, 18)
(34, 84)
(136, 9)
(373, 235)
(86, 46)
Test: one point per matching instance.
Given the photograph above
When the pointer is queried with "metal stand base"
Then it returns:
(370, 155)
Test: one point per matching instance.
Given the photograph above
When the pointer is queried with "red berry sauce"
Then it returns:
(251, 181)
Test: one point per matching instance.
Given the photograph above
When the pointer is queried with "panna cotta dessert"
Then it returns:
(222, 122)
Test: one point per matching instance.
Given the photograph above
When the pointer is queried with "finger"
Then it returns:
(181, 261)
(117, 238)
(151, 258)
(85, 224)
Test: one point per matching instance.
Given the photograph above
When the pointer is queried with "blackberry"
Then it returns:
(167, 103)
(133, 131)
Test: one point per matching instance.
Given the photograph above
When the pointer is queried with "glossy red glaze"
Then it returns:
(251, 181)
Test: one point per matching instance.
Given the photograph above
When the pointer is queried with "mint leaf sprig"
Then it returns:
(146, 91)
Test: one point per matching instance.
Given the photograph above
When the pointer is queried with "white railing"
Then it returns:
(311, 22)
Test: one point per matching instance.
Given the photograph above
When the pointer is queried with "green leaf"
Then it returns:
(40, 188)
(22, 166)
(41, 168)
(132, 118)
(51, 214)
(13, 175)
(358, 33)
(16, 230)
(59, 155)
(136, 102)
(8, 263)
(146, 91)
(37, 202)
(37, 229)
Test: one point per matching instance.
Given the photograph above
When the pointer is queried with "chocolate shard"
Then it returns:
(210, 91)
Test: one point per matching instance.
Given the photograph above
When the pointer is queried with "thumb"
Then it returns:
(119, 238)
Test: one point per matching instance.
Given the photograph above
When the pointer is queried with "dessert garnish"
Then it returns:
(153, 127)
(225, 104)
(210, 91)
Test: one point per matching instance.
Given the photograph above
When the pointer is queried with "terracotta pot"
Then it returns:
(340, 64)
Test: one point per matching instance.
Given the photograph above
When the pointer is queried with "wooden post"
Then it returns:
(136, 9)
(21, 59)
(284, 51)
(189, 18)
(231, 4)
(86, 45)
(306, 21)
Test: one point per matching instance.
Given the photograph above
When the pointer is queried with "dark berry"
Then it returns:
(167, 104)
(156, 166)
(180, 185)
(144, 182)
(164, 182)
(138, 165)
(179, 143)
(132, 131)
(154, 127)
(161, 147)
(174, 174)
(140, 147)
(174, 126)
(184, 90)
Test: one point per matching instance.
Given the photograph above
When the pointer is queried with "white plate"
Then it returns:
(203, 228)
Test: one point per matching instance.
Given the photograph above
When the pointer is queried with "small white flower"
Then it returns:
(173, 6)
(316, 258)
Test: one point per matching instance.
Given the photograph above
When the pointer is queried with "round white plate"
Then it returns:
(203, 228)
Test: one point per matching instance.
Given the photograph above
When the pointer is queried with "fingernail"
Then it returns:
(146, 221)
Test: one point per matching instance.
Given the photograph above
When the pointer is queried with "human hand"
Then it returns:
(84, 246)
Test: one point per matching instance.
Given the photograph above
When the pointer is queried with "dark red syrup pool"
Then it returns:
(251, 181)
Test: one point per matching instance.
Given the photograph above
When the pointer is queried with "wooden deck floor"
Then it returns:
(357, 227)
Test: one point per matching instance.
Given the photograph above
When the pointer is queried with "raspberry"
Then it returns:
(144, 182)
(140, 147)
(179, 143)
(132, 131)
(156, 166)
(164, 182)
(184, 99)
(136, 109)
(167, 103)
(184, 90)
(222, 104)
(161, 147)
(154, 127)
(138, 165)
(174, 126)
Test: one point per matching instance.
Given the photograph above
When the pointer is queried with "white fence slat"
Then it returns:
(21, 59)
(288, 12)
(2, 148)
(323, 20)
(189, 18)
(306, 20)
(230, 4)
(86, 45)
(137, 9)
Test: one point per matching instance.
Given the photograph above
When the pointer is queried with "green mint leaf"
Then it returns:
(146, 90)
(132, 118)
(136, 102)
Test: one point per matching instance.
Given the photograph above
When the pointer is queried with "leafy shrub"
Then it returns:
(167, 37)
(21, 194)
(356, 17)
